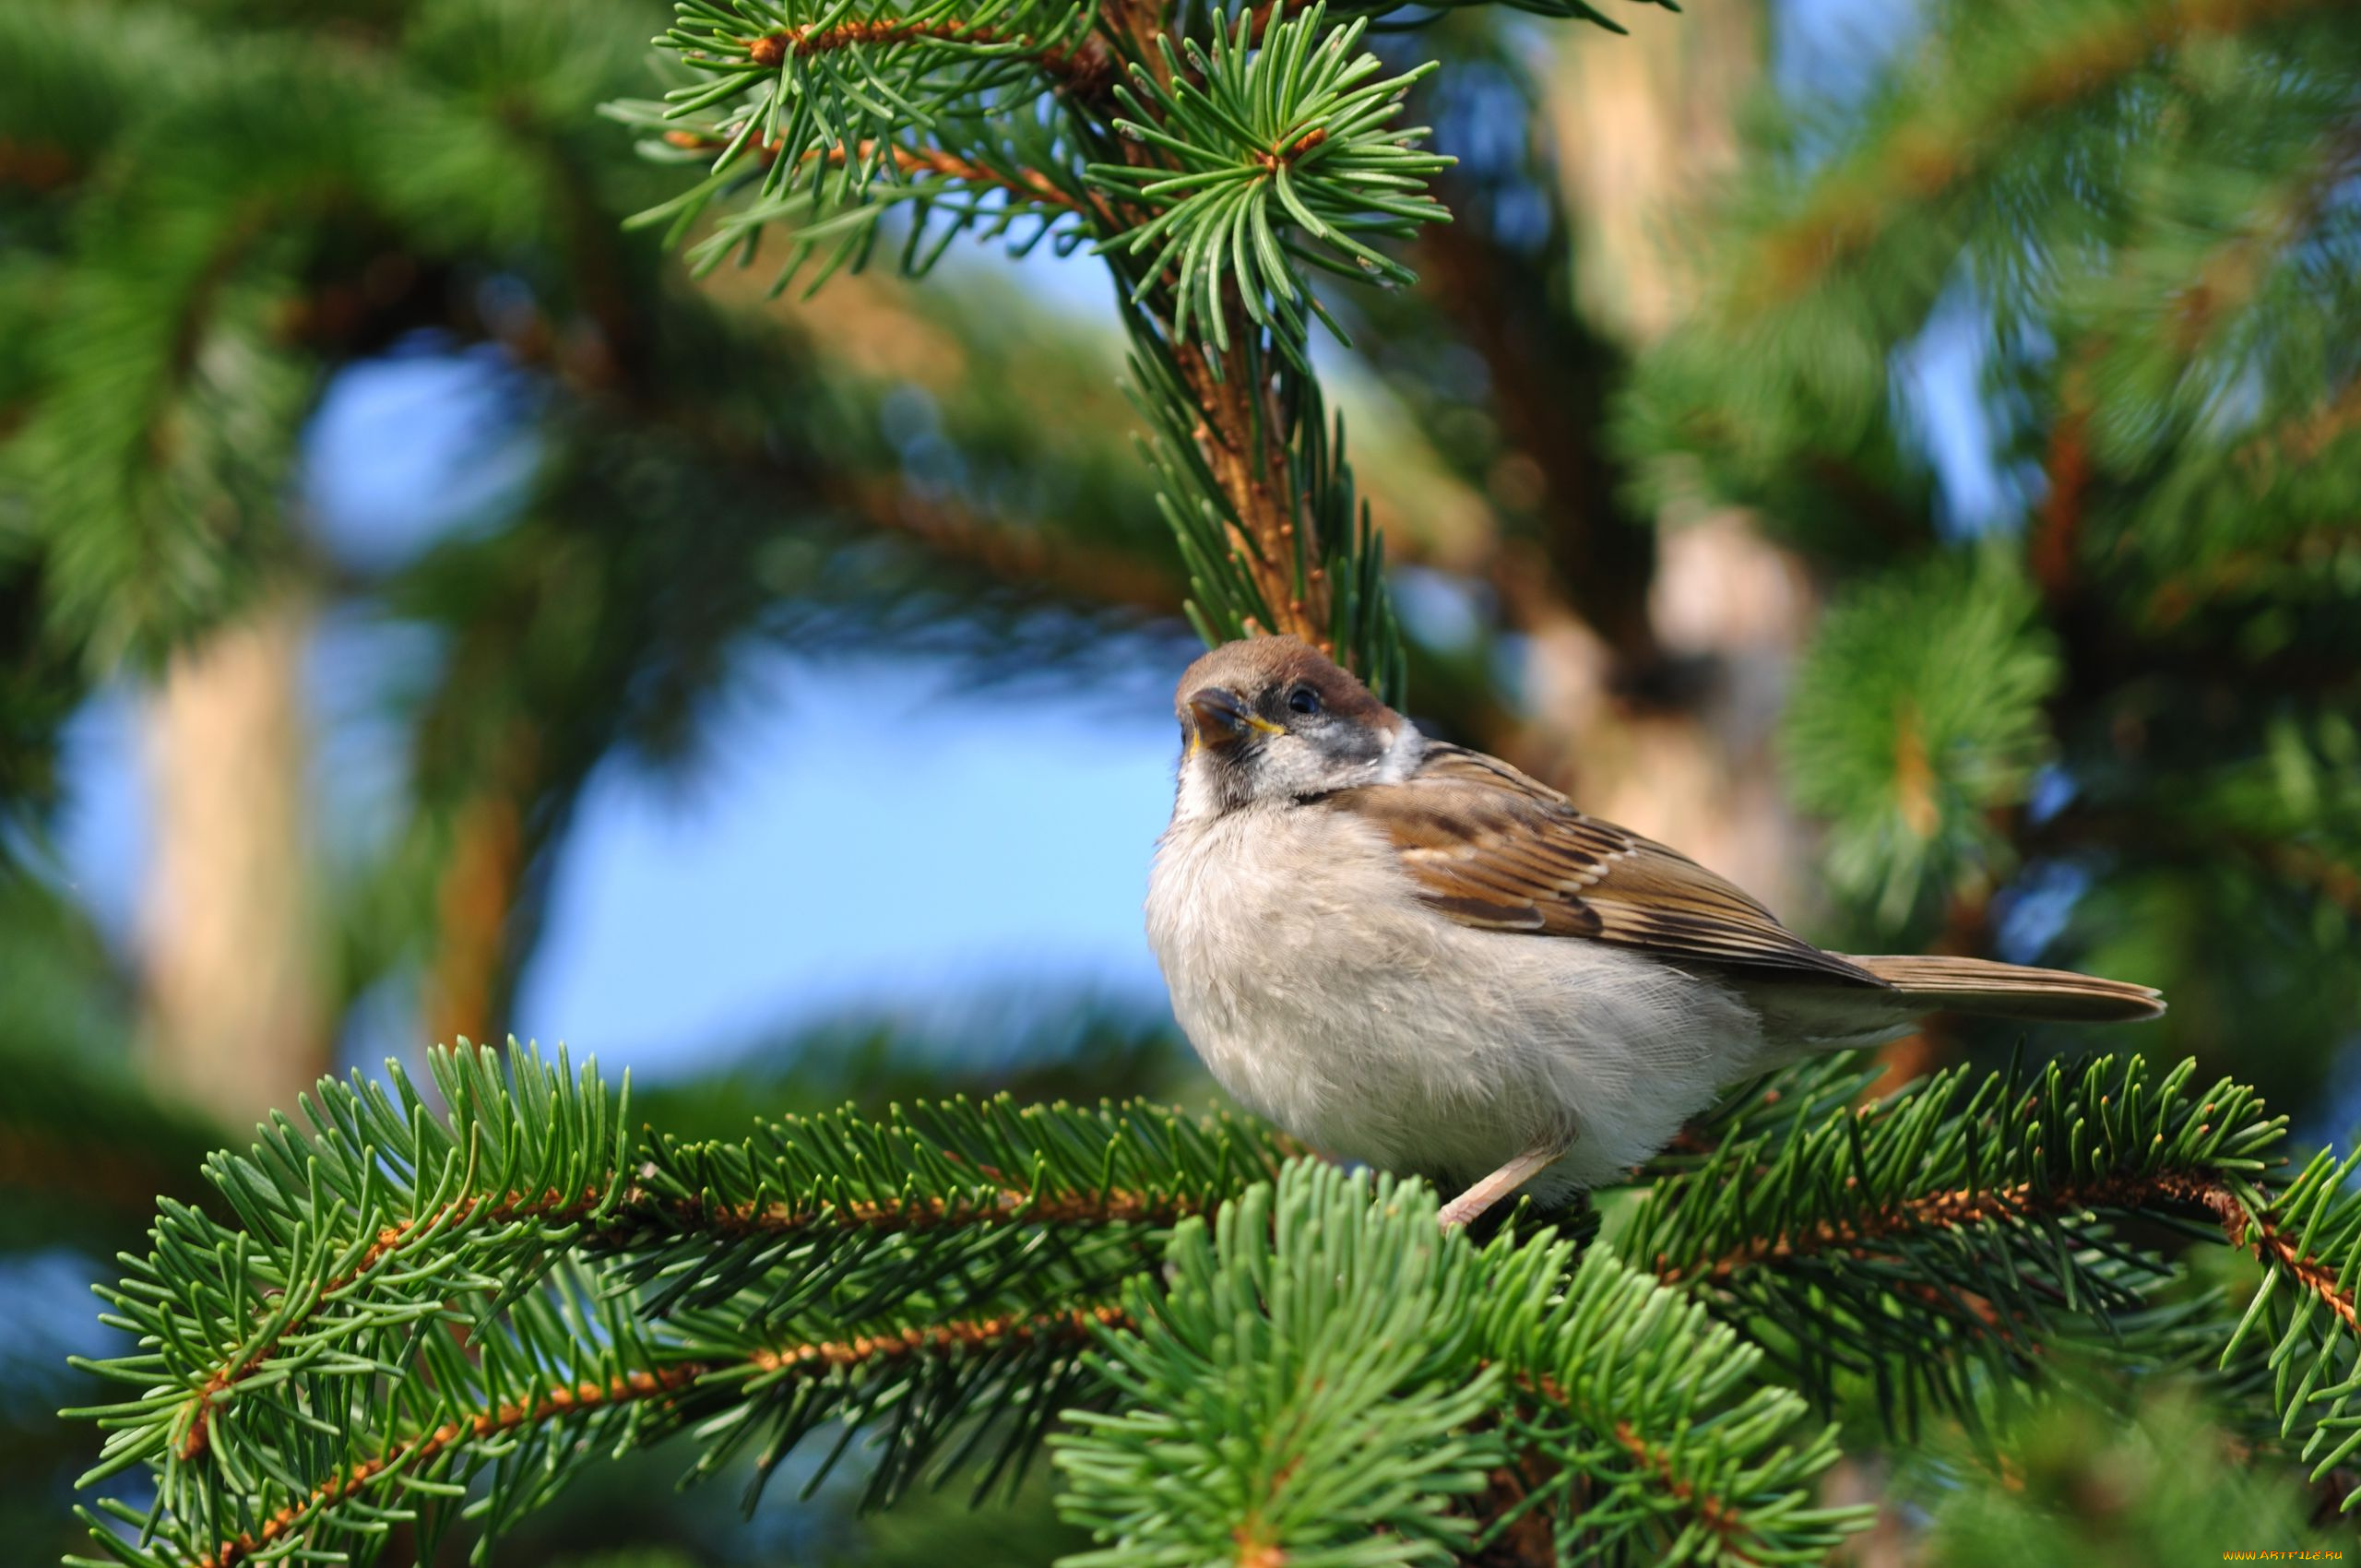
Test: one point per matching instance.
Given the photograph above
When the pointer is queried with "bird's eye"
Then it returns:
(1303, 699)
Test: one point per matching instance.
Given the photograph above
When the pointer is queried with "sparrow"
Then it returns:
(1414, 956)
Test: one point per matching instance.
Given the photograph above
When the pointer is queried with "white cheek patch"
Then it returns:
(1402, 755)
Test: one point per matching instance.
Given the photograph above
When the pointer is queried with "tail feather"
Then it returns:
(2011, 991)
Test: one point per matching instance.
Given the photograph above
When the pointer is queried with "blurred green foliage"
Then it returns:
(2081, 1485)
(2088, 682)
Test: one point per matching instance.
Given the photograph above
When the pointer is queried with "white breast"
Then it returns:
(1323, 996)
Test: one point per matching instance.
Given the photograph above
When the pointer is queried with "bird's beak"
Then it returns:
(1216, 718)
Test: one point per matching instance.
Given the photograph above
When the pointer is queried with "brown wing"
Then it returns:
(1489, 847)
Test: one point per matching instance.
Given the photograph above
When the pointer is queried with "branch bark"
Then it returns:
(669, 1384)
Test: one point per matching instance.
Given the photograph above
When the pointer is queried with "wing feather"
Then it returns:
(1488, 847)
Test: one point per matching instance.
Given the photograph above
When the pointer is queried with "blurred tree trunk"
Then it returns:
(235, 953)
(1644, 124)
(481, 901)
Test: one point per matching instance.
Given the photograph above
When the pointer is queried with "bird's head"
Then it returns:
(1273, 718)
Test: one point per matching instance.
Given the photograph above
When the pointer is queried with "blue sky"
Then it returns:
(866, 835)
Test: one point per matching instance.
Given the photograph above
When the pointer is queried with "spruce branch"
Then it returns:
(1980, 1199)
(1262, 502)
(813, 75)
(568, 1411)
(981, 184)
(1771, 1107)
(1256, 489)
(2172, 1483)
(1987, 1206)
(1687, 1453)
(397, 1287)
(1948, 140)
(1027, 185)
(1257, 133)
(1306, 1389)
(2239, 261)
(1917, 713)
(1076, 67)
(2134, 186)
(422, 1317)
(1216, 174)
(413, 1310)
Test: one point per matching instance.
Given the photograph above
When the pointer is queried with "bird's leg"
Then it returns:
(1491, 1189)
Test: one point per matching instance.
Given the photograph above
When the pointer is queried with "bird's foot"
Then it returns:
(1491, 1189)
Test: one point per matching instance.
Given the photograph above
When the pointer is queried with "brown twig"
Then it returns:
(2227, 279)
(1028, 557)
(1866, 1235)
(2254, 1233)
(1932, 1211)
(1708, 1507)
(639, 1386)
(637, 1210)
(1029, 183)
(1274, 159)
(37, 166)
(1240, 431)
(551, 1207)
(629, 1388)
(1529, 1538)
(2054, 551)
(1008, 1206)
(2217, 579)
(1085, 68)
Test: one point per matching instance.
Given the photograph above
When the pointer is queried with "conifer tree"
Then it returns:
(2094, 692)
(174, 301)
(424, 1310)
